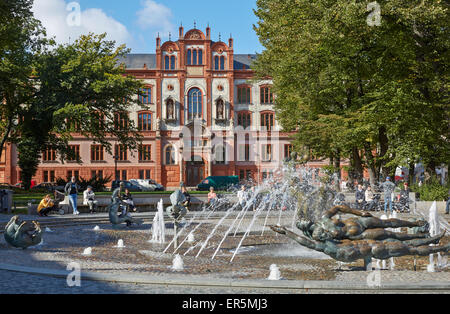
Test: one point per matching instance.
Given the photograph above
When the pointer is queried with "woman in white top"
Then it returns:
(89, 199)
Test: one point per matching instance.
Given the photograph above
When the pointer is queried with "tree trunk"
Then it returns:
(6, 135)
(357, 165)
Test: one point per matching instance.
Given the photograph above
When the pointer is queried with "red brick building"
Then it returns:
(206, 116)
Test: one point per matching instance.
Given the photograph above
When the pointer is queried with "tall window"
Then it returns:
(194, 57)
(266, 95)
(220, 154)
(145, 121)
(288, 151)
(120, 121)
(73, 173)
(145, 153)
(169, 62)
(195, 104)
(49, 176)
(170, 155)
(145, 174)
(97, 153)
(146, 96)
(49, 155)
(266, 152)
(74, 153)
(98, 174)
(244, 95)
(121, 152)
(244, 119)
(267, 121)
(219, 63)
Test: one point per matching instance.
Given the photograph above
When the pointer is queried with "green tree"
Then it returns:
(82, 89)
(21, 39)
(375, 95)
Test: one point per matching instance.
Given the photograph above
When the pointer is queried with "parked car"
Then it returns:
(127, 185)
(219, 183)
(49, 187)
(147, 185)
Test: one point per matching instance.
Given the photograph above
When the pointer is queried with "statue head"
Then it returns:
(305, 226)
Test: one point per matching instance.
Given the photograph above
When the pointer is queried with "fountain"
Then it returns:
(87, 252)
(177, 264)
(96, 228)
(120, 244)
(159, 226)
(275, 273)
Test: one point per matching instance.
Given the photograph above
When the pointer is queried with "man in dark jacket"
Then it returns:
(360, 197)
(71, 190)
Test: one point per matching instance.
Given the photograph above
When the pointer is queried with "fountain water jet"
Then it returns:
(159, 226)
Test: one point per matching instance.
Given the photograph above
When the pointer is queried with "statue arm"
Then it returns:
(311, 244)
(345, 210)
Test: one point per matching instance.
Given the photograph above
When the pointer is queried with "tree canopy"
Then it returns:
(375, 94)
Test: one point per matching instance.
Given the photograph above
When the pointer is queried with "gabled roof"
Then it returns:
(137, 61)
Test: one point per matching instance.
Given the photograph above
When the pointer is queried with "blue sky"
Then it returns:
(136, 22)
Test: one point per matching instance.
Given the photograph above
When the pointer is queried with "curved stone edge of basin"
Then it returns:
(186, 280)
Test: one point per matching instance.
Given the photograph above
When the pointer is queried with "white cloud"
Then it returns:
(156, 17)
(54, 16)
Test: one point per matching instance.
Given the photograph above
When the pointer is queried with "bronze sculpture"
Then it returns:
(118, 203)
(363, 237)
(22, 234)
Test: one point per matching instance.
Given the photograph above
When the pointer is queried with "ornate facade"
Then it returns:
(205, 116)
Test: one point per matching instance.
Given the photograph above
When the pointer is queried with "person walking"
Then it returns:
(71, 190)
(89, 199)
(388, 188)
(46, 206)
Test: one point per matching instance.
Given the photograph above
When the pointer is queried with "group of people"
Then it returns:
(72, 189)
(365, 198)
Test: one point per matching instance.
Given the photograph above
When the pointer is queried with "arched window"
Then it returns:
(266, 95)
(267, 121)
(195, 104)
(219, 63)
(145, 121)
(222, 63)
(244, 119)
(173, 61)
(170, 157)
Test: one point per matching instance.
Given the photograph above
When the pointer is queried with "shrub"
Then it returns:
(432, 191)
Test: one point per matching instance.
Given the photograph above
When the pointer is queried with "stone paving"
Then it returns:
(64, 245)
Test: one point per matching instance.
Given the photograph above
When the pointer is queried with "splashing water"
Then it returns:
(120, 244)
(159, 226)
(275, 273)
(177, 263)
(87, 252)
